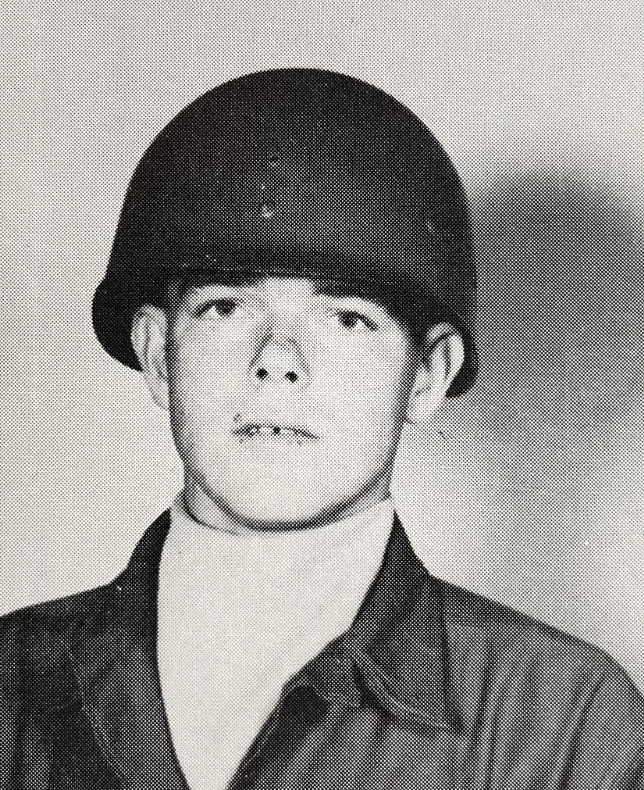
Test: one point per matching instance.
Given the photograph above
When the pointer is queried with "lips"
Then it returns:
(276, 431)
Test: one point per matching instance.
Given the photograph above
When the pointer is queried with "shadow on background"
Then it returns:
(561, 265)
(534, 479)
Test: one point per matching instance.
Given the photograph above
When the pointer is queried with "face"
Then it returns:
(286, 403)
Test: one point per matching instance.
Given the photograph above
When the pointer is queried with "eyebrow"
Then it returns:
(205, 280)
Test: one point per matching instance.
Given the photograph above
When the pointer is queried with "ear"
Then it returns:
(148, 337)
(443, 354)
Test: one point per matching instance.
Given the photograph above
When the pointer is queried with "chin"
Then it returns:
(261, 508)
(260, 495)
(284, 507)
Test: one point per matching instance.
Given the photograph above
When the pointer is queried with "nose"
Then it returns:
(279, 362)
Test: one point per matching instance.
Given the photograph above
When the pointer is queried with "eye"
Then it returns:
(352, 321)
(221, 307)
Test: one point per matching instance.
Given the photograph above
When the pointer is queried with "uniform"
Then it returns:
(431, 687)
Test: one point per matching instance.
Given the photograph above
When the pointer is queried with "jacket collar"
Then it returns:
(114, 658)
(393, 655)
(395, 652)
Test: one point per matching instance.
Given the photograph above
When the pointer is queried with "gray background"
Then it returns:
(530, 488)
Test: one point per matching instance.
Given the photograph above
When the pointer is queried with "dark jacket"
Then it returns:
(431, 687)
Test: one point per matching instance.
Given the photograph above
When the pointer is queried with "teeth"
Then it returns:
(271, 430)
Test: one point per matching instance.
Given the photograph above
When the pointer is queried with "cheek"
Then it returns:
(371, 391)
(200, 365)
(201, 390)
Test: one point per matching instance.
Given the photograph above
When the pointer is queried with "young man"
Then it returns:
(292, 272)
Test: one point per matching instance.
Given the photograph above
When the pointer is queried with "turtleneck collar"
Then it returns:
(240, 613)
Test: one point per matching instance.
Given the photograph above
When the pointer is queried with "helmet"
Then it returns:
(301, 173)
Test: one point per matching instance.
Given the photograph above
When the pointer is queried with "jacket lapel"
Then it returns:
(114, 659)
(396, 647)
(400, 639)
(373, 709)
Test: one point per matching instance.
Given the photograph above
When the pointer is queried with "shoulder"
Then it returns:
(59, 612)
(499, 632)
(484, 632)
(90, 611)
(35, 671)
(544, 688)
(34, 634)
(36, 637)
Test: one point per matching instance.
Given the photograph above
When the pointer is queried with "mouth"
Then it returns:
(287, 434)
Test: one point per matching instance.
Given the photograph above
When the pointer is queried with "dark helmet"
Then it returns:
(294, 172)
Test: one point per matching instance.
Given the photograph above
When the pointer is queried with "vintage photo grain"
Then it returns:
(321, 418)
